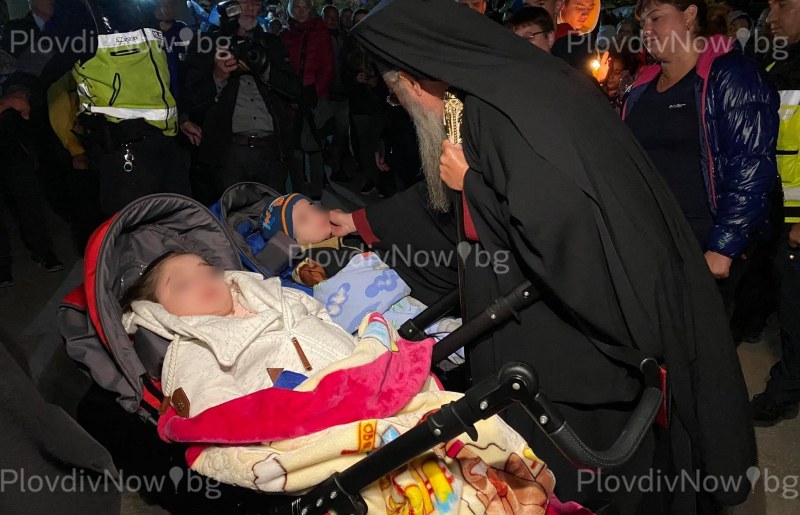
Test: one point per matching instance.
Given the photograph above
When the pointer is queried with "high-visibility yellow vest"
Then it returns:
(128, 78)
(788, 154)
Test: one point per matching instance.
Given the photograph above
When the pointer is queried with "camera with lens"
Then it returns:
(251, 55)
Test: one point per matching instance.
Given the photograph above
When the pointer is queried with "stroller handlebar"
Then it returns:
(518, 382)
(583, 456)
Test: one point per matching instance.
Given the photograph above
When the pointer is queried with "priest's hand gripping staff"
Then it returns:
(453, 119)
(514, 383)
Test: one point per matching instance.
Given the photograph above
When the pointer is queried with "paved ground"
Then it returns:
(27, 319)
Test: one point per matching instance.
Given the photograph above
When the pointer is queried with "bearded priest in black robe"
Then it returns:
(557, 191)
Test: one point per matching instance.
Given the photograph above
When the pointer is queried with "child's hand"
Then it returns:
(342, 223)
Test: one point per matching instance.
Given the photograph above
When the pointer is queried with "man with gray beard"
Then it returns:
(553, 186)
(423, 248)
(430, 134)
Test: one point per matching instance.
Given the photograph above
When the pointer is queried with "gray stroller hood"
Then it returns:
(90, 317)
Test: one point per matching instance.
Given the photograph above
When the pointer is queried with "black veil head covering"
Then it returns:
(545, 98)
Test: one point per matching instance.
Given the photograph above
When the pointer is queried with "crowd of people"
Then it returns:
(242, 93)
(313, 112)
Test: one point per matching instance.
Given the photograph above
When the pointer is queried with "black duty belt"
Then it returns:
(253, 141)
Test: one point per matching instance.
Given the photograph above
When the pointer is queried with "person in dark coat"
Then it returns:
(709, 121)
(19, 181)
(308, 41)
(561, 194)
(781, 397)
(243, 113)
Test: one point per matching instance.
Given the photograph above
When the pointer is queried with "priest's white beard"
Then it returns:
(430, 134)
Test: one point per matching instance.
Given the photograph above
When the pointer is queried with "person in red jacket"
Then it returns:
(307, 30)
(311, 54)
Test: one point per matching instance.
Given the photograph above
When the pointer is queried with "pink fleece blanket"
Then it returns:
(374, 390)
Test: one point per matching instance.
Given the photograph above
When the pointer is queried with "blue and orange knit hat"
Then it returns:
(277, 217)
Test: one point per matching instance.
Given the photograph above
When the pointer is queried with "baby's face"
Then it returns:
(311, 223)
(188, 286)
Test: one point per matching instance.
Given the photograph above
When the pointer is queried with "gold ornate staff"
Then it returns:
(453, 116)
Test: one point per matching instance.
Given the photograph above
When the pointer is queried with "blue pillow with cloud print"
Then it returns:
(365, 285)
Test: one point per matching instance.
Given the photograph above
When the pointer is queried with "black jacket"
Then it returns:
(363, 98)
(214, 114)
(43, 441)
(738, 113)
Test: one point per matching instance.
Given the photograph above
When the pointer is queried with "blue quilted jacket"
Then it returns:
(738, 135)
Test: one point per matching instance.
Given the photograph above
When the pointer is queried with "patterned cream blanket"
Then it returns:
(287, 441)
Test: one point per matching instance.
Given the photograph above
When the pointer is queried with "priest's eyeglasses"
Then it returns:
(392, 100)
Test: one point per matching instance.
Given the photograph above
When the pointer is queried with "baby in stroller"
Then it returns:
(349, 280)
(265, 411)
(236, 317)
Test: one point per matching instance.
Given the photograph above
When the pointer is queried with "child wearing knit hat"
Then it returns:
(309, 225)
(298, 218)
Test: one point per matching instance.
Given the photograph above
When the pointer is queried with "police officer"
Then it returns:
(780, 399)
(120, 65)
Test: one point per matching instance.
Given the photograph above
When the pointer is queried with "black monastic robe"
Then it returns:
(561, 194)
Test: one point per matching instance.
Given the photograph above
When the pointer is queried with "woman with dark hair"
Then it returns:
(708, 118)
(717, 15)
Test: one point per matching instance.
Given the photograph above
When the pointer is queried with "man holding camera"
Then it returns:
(237, 85)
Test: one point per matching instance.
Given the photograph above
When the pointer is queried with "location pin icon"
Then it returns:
(176, 474)
(463, 249)
(753, 474)
(186, 34)
(742, 35)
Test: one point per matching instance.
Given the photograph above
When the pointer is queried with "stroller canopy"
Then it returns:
(116, 255)
(242, 205)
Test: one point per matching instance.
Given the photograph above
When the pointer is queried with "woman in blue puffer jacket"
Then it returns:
(708, 118)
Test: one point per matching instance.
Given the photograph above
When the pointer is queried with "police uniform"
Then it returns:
(129, 114)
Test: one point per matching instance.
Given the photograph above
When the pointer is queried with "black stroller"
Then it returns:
(129, 371)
